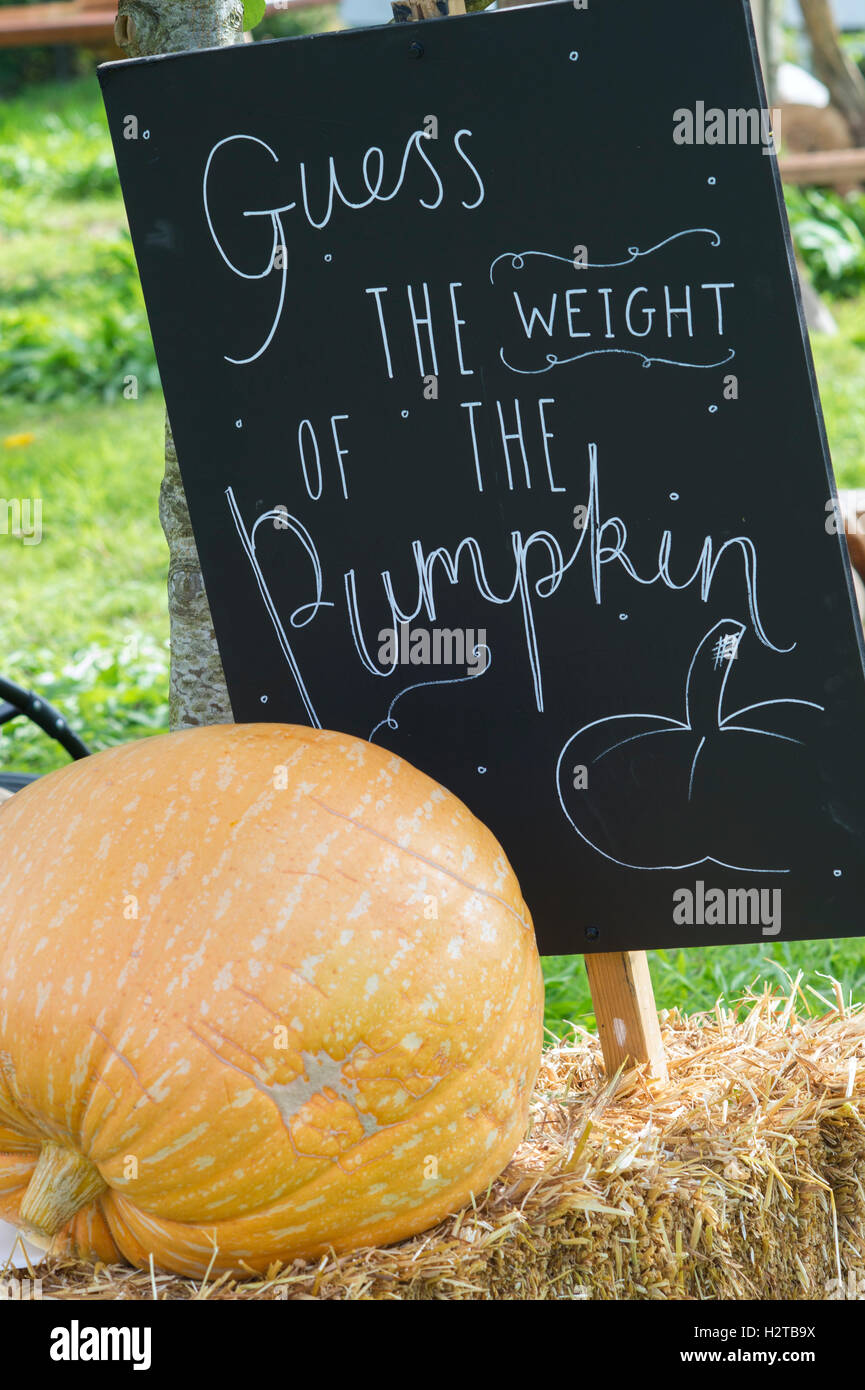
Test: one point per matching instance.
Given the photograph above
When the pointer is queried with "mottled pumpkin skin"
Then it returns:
(276, 984)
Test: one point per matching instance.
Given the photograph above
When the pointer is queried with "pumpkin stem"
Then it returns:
(708, 674)
(62, 1182)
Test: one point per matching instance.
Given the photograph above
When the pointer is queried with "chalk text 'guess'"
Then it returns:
(378, 186)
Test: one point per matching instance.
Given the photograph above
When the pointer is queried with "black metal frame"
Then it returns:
(16, 701)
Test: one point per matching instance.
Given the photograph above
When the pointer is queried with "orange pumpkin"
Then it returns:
(264, 990)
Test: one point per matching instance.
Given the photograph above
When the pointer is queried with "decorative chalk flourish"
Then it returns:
(391, 723)
(518, 258)
(553, 361)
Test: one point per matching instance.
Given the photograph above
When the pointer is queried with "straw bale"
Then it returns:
(742, 1177)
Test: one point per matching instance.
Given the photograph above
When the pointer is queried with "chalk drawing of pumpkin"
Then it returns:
(649, 791)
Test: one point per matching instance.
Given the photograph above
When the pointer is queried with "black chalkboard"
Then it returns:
(596, 506)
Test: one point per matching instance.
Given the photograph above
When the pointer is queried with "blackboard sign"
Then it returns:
(499, 431)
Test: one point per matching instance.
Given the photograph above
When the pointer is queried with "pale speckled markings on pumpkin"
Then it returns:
(120, 1057)
(432, 863)
(298, 1092)
(303, 978)
(320, 1072)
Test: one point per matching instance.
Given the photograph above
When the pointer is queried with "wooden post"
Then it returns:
(626, 1012)
(620, 982)
(765, 14)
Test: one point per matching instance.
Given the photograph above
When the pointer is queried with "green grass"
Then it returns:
(840, 364)
(83, 617)
(72, 317)
(694, 979)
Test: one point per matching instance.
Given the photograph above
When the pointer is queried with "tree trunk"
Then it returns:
(767, 16)
(198, 691)
(834, 67)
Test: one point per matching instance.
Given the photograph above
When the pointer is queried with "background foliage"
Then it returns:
(19, 66)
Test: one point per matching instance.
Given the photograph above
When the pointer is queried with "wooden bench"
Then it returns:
(86, 22)
(89, 23)
(822, 168)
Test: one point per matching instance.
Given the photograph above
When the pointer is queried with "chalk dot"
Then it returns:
(837, 872)
(481, 769)
(145, 134)
(328, 257)
(238, 424)
(264, 699)
(713, 410)
(623, 617)
(404, 414)
(712, 181)
(674, 496)
(573, 55)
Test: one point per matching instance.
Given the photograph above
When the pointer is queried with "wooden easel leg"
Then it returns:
(625, 1010)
